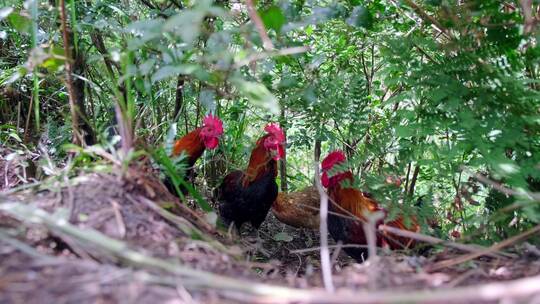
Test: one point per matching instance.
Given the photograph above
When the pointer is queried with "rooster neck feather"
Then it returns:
(260, 163)
(191, 144)
(351, 200)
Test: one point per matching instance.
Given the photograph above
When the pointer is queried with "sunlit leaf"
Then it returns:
(257, 94)
(4, 12)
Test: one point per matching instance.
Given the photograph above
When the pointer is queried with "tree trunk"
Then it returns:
(414, 179)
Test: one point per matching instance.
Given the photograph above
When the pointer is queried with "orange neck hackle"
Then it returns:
(352, 200)
(260, 162)
(191, 144)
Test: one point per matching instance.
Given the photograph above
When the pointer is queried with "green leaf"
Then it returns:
(283, 237)
(273, 18)
(186, 24)
(208, 100)
(405, 131)
(257, 94)
(55, 60)
(147, 66)
(15, 136)
(438, 94)
(361, 17)
(171, 170)
(434, 2)
(21, 23)
(173, 70)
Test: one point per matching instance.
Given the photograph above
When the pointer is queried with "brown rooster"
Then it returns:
(298, 209)
(246, 196)
(194, 143)
(347, 202)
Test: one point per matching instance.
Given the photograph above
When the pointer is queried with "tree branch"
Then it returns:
(267, 43)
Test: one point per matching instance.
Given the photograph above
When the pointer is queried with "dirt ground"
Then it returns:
(44, 258)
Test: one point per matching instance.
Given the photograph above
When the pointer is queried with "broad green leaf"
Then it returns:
(273, 18)
(361, 17)
(21, 23)
(55, 60)
(186, 24)
(174, 70)
(405, 131)
(146, 67)
(508, 168)
(257, 94)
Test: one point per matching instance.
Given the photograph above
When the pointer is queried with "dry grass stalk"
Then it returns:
(323, 229)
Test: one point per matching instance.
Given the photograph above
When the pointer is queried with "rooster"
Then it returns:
(194, 143)
(246, 196)
(298, 209)
(350, 207)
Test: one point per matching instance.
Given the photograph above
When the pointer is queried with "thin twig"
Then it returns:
(499, 187)
(370, 230)
(495, 247)
(22, 247)
(468, 274)
(326, 266)
(396, 5)
(267, 43)
(306, 250)
(437, 241)
(119, 219)
(427, 17)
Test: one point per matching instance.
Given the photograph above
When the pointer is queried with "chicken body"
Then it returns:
(298, 209)
(349, 209)
(193, 146)
(345, 222)
(246, 196)
(247, 203)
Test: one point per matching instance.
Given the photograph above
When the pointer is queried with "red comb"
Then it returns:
(333, 158)
(276, 131)
(214, 122)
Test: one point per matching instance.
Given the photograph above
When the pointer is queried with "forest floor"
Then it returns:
(107, 238)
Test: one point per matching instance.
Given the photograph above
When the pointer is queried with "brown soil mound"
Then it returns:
(42, 265)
